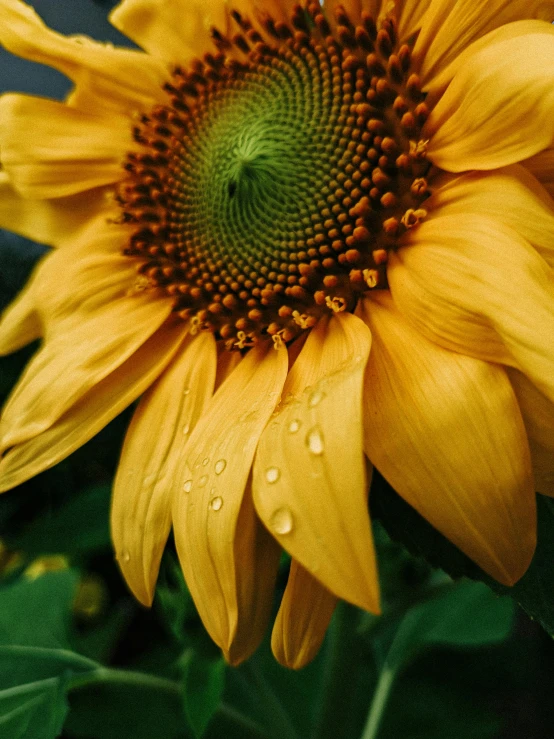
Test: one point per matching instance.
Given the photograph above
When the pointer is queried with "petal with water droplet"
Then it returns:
(323, 482)
(141, 513)
(229, 560)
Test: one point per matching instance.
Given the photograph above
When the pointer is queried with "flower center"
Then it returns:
(270, 188)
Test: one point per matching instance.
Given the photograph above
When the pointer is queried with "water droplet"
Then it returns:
(186, 391)
(186, 429)
(294, 426)
(149, 479)
(314, 440)
(205, 461)
(272, 474)
(202, 481)
(220, 466)
(187, 487)
(281, 521)
(125, 556)
(216, 503)
(315, 398)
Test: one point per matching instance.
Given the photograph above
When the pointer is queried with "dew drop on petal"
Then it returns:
(220, 466)
(281, 521)
(314, 440)
(202, 481)
(186, 391)
(294, 426)
(125, 556)
(187, 487)
(272, 474)
(216, 503)
(186, 429)
(205, 461)
(315, 398)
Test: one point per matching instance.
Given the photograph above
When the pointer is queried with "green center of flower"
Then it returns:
(283, 169)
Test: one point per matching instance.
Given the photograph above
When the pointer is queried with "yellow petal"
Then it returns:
(542, 167)
(220, 544)
(309, 483)
(20, 323)
(449, 28)
(226, 363)
(498, 108)
(162, 423)
(50, 222)
(538, 416)
(94, 273)
(73, 361)
(510, 195)
(475, 286)
(445, 430)
(50, 150)
(438, 80)
(92, 412)
(106, 77)
(410, 15)
(302, 620)
(174, 30)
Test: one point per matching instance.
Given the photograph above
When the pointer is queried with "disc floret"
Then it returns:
(284, 167)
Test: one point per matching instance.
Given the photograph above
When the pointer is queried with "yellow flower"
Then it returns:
(313, 241)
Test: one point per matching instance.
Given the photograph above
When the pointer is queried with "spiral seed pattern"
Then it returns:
(272, 185)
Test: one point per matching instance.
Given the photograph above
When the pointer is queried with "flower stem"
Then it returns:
(379, 702)
(113, 676)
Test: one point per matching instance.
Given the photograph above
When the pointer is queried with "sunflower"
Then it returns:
(309, 239)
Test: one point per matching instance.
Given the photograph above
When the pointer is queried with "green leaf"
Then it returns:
(37, 612)
(534, 592)
(203, 686)
(33, 711)
(463, 614)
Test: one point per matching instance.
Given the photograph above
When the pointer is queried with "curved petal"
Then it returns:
(449, 28)
(498, 108)
(475, 286)
(510, 195)
(302, 620)
(538, 416)
(106, 77)
(445, 430)
(226, 362)
(51, 150)
(436, 82)
(542, 167)
(72, 363)
(162, 423)
(50, 222)
(173, 30)
(410, 15)
(228, 561)
(20, 323)
(92, 412)
(309, 481)
(94, 273)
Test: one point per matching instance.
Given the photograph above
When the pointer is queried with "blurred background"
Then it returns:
(79, 658)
